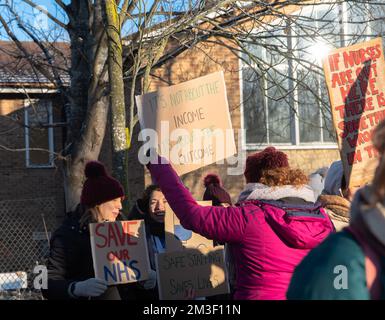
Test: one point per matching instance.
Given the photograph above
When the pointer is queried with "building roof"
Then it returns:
(30, 68)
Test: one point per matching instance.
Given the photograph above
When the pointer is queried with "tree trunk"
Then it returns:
(89, 97)
(118, 111)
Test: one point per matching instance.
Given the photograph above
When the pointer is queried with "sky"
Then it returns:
(34, 18)
(55, 33)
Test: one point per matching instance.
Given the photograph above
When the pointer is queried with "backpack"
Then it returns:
(372, 264)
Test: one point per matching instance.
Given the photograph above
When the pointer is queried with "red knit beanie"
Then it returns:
(267, 159)
(214, 191)
(99, 187)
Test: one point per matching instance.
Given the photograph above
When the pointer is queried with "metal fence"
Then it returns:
(25, 229)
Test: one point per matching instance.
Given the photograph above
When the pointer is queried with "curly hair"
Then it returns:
(283, 176)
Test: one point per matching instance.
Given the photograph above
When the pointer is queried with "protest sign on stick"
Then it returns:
(200, 269)
(191, 120)
(119, 251)
(355, 78)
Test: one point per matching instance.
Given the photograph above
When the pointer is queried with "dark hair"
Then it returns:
(147, 195)
(86, 214)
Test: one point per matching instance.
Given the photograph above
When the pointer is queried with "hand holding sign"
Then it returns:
(150, 283)
(119, 251)
(189, 123)
(92, 287)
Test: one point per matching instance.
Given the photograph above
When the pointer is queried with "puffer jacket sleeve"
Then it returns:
(216, 223)
(57, 269)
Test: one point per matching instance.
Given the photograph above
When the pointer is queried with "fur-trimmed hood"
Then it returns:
(339, 205)
(259, 191)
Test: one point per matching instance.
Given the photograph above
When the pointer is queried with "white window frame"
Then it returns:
(295, 143)
(50, 164)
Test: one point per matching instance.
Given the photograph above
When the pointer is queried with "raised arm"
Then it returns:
(217, 223)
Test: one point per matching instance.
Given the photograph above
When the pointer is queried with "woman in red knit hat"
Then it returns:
(70, 267)
(274, 224)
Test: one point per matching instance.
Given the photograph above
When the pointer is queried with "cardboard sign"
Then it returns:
(119, 251)
(201, 269)
(355, 77)
(192, 122)
(179, 238)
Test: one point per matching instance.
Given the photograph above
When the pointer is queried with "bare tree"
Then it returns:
(274, 39)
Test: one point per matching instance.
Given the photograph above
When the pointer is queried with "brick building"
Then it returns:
(31, 190)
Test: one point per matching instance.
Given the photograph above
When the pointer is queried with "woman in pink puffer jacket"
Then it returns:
(272, 227)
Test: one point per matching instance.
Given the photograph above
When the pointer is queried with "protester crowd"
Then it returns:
(287, 235)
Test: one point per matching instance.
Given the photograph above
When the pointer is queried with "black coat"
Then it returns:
(70, 260)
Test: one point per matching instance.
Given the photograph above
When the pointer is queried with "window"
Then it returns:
(267, 116)
(39, 143)
(284, 95)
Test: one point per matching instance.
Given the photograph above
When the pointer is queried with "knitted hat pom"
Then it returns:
(95, 169)
(99, 187)
(211, 178)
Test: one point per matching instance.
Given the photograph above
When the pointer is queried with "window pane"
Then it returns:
(357, 26)
(317, 32)
(254, 107)
(376, 15)
(308, 107)
(278, 106)
(328, 130)
(38, 115)
(277, 85)
(255, 51)
(328, 26)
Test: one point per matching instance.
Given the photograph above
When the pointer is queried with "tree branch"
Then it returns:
(42, 10)
(39, 43)
(58, 155)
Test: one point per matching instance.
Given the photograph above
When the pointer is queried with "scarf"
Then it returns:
(337, 207)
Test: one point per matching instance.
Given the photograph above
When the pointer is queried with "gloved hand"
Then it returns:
(90, 288)
(150, 283)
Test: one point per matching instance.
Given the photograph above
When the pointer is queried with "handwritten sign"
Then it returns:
(179, 238)
(355, 77)
(119, 251)
(200, 269)
(192, 122)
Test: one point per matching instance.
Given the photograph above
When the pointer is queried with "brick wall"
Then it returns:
(17, 181)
